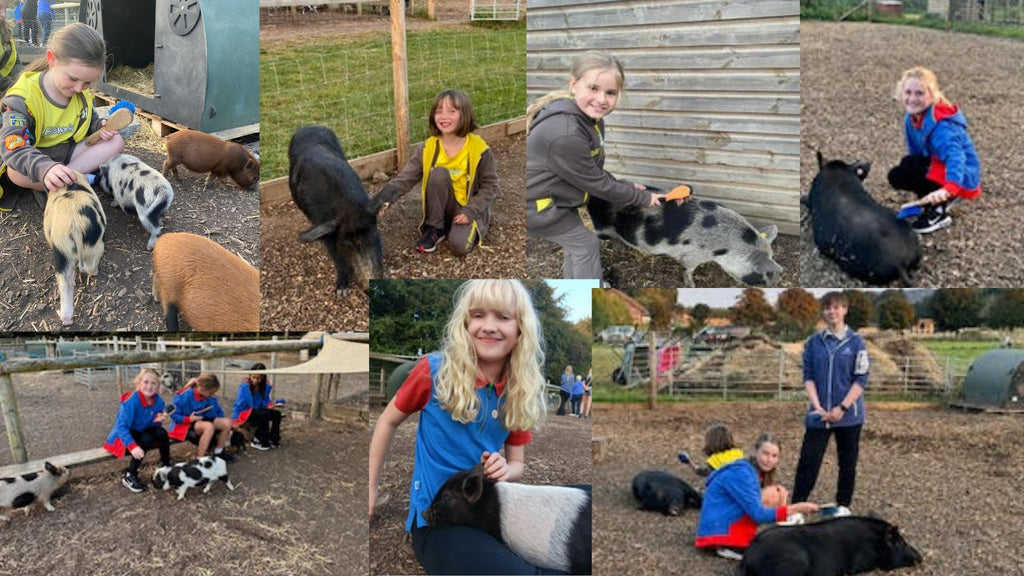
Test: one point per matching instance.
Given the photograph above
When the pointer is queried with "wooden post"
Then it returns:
(782, 372)
(314, 406)
(431, 5)
(400, 75)
(12, 420)
(652, 359)
(273, 355)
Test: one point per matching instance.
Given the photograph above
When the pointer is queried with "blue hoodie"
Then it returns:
(136, 414)
(732, 507)
(941, 134)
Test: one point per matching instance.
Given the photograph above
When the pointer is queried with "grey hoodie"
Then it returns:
(565, 162)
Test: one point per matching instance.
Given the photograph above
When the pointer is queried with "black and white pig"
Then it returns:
(192, 474)
(35, 487)
(330, 194)
(663, 492)
(73, 224)
(137, 187)
(863, 237)
(548, 526)
(849, 545)
(693, 233)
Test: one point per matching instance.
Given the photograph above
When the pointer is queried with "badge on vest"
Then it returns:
(13, 142)
(17, 120)
(862, 364)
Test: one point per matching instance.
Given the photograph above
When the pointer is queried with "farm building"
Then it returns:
(711, 99)
(995, 380)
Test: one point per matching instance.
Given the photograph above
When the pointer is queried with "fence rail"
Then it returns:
(994, 12)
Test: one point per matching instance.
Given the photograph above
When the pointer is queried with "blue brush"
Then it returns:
(908, 212)
(123, 104)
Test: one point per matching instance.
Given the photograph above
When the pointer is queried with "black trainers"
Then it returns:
(430, 239)
(259, 445)
(132, 482)
(226, 457)
(933, 218)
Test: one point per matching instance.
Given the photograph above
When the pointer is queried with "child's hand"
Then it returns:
(495, 466)
(159, 418)
(461, 219)
(138, 453)
(657, 198)
(59, 176)
(938, 197)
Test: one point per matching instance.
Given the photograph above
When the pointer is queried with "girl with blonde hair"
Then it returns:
(198, 411)
(481, 393)
(139, 427)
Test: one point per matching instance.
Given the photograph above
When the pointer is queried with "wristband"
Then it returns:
(844, 408)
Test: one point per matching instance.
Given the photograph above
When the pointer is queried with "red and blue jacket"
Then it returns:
(136, 413)
(187, 402)
(940, 133)
(248, 400)
(732, 507)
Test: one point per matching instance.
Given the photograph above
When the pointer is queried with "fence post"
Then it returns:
(400, 75)
(782, 371)
(12, 420)
(314, 406)
(906, 374)
(273, 355)
(652, 362)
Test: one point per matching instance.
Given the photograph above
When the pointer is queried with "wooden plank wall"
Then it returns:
(712, 93)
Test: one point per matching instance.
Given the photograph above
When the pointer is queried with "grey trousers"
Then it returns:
(582, 253)
(441, 208)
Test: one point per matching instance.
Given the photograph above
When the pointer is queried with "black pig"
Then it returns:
(863, 237)
(330, 194)
(548, 526)
(664, 492)
(850, 545)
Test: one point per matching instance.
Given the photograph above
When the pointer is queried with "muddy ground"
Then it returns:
(559, 454)
(120, 296)
(949, 480)
(848, 74)
(295, 510)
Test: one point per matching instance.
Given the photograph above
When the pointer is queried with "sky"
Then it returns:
(576, 299)
(727, 297)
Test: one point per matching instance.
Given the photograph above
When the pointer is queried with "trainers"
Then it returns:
(430, 239)
(132, 482)
(730, 554)
(225, 456)
(275, 444)
(793, 519)
(842, 511)
(933, 218)
(259, 445)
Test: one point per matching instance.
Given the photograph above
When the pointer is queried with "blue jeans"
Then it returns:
(45, 24)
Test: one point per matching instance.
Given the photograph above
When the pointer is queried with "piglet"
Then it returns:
(192, 474)
(664, 492)
(548, 526)
(27, 489)
(137, 188)
(201, 152)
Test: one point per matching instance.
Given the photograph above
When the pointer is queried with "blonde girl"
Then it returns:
(49, 111)
(139, 427)
(197, 410)
(481, 393)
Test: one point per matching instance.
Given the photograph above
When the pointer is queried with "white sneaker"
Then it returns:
(792, 520)
(730, 554)
(842, 511)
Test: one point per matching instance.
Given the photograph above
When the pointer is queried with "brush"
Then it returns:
(121, 116)
(910, 209)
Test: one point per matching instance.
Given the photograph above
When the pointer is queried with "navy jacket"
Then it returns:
(835, 363)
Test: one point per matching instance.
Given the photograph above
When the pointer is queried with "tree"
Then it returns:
(753, 309)
(699, 314)
(895, 312)
(1007, 309)
(661, 303)
(955, 308)
(799, 305)
(861, 309)
(583, 327)
(608, 311)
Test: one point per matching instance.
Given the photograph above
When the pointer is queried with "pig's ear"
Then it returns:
(770, 232)
(821, 159)
(473, 486)
(862, 169)
(51, 469)
(318, 231)
(892, 536)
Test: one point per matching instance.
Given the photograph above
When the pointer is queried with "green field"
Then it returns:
(960, 352)
(348, 86)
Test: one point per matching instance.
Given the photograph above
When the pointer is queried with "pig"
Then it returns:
(73, 224)
(192, 474)
(35, 487)
(664, 492)
(836, 547)
(863, 237)
(344, 217)
(137, 188)
(693, 233)
(548, 526)
(210, 287)
(201, 152)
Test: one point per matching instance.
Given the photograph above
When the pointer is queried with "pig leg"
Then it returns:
(4, 518)
(170, 166)
(209, 178)
(342, 270)
(66, 288)
(225, 480)
(49, 507)
(207, 489)
(181, 492)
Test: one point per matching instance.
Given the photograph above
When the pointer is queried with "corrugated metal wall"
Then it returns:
(712, 93)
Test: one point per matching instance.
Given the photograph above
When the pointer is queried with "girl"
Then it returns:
(253, 404)
(139, 427)
(941, 166)
(588, 391)
(10, 68)
(565, 162)
(197, 410)
(49, 111)
(732, 506)
(456, 174)
(565, 389)
(483, 391)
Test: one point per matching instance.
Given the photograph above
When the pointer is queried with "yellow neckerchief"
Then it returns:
(471, 151)
(719, 459)
(53, 124)
(12, 58)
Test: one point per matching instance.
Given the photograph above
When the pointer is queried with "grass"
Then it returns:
(960, 352)
(915, 19)
(347, 85)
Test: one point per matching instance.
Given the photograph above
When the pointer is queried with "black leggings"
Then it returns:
(565, 398)
(268, 425)
(147, 439)
(911, 174)
(811, 454)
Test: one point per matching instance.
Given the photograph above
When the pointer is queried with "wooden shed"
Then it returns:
(712, 93)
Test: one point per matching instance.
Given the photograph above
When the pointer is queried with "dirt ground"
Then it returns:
(627, 268)
(949, 480)
(295, 510)
(120, 296)
(848, 75)
(559, 454)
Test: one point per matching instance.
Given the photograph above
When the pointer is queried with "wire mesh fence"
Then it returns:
(994, 12)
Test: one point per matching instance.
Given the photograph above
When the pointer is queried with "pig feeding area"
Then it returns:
(558, 455)
(297, 509)
(950, 480)
(298, 279)
(119, 297)
(848, 75)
